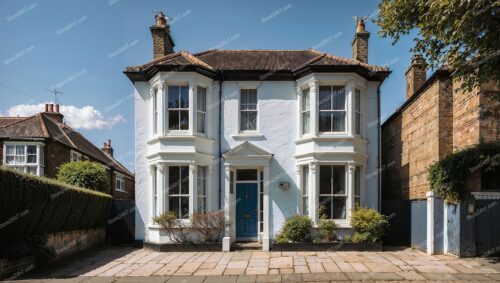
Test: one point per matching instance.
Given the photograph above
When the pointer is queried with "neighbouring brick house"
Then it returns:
(436, 119)
(39, 144)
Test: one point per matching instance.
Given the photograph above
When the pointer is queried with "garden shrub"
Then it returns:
(447, 176)
(368, 224)
(84, 174)
(327, 229)
(209, 226)
(31, 205)
(204, 227)
(295, 229)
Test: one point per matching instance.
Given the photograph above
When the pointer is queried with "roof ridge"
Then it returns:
(61, 126)
(195, 60)
(260, 50)
(42, 124)
(25, 118)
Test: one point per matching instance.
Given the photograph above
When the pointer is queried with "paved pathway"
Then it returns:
(136, 265)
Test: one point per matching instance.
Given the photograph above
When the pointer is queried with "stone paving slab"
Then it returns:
(113, 264)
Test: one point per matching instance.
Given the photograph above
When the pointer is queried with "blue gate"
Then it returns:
(419, 224)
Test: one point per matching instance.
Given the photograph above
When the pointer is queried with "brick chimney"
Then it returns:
(360, 42)
(107, 148)
(53, 113)
(162, 41)
(415, 75)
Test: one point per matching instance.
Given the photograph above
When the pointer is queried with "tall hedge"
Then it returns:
(31, 205)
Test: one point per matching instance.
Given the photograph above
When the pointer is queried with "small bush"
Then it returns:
(85, 174)
(210, 225)
(368, 224)
(174, 227)
(207, 227)
(296, 229)
(327, 229)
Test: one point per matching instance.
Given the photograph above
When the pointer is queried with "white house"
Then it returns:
(260, 134)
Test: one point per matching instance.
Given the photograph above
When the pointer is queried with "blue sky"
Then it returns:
(82, 47)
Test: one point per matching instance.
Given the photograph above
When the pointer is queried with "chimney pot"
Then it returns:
(46, 107)
(107, 148)
(51, 107)
(57, 108)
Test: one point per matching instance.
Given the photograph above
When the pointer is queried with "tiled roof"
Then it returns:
(42, 126)
(252, 60)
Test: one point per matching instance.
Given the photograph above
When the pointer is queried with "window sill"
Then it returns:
(121, 191)
(243, 135)
(178, 136)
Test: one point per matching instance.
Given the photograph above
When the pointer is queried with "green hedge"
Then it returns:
(32, 205)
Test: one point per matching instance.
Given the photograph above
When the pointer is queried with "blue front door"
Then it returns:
(246, 210)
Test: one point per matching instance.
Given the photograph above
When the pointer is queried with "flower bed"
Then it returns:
(183, 247)
(330, 246)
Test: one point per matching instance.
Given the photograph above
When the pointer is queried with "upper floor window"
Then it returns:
(248, 110)
(332, 192)
(332, 109)
(178, 191)
(306, 111)
(23, 158)
(201, 109)
(178, 107)
(357, 111)
(120, 183)
(155, 111)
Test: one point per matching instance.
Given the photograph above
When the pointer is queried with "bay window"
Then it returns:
(332, 109)
(248, 110)
(24, 158)
(178, 107)
(178, 191)
(154, 181)
(306, 111)
(202, 189)
(201, 109)
(305, 190)
(332, 192)
(357, 112)
(357, 187)
(155, 112)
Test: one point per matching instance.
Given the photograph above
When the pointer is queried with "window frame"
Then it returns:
(201, 179)
(179, 109)
(25, 166)
(305, 189)
(357, 187)
(154, 194)
(331, 110)
(119, 178)
(202, 112)
(79, 156)
(305, 109)
(178, 195)
(332, 195)
(241, 111)
(357, 112)
(155, 111)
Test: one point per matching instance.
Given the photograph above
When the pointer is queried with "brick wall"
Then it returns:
(412, 141)
(55, 154)
(440, 120)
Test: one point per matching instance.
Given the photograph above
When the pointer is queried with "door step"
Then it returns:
(249, 246)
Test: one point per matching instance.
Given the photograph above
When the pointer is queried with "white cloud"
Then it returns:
(86, 117)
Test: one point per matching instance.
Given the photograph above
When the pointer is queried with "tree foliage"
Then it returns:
(85, 174)
(461, 34)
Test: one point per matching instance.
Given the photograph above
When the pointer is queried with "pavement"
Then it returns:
(115, 264)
